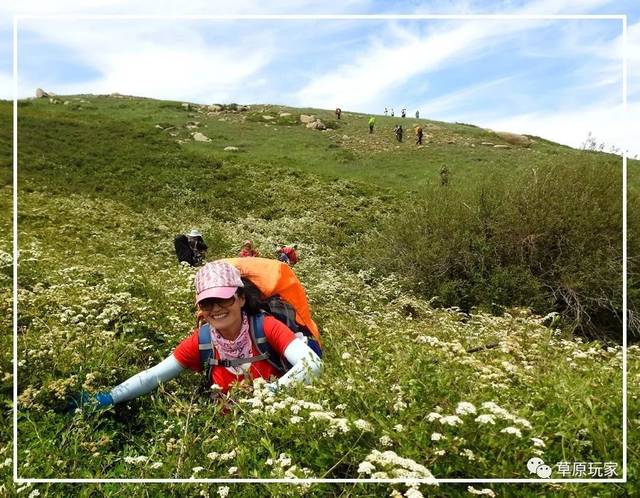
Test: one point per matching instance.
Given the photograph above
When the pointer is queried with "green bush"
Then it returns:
(550, 240)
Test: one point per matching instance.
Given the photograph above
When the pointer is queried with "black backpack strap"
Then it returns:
(205, 346)
(256, 327)
(208, 358)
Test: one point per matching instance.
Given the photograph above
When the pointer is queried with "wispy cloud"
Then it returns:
(608, 124)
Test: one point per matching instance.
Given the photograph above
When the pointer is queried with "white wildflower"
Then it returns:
(385, 441)
(34, 493)
(486, 419)
(413, 493)
(366, 468)
(538, 442)
(466, 452)
(156, 465)
(195, 470)
(433, 416)
(223, 491)
(484, 491)
(295, 419)
(512, 430)
(436, 436)
(452, 420)
(346, 356)
(363, 425)
(465, 408)
(232, 470)
(398, 427)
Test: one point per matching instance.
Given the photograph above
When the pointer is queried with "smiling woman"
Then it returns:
(233, 331)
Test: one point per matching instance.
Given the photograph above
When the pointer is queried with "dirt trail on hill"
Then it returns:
(383, 139)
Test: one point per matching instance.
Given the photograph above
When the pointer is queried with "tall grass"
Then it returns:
(550, 239)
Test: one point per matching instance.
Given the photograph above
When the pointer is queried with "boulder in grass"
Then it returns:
(514, 138)
(41, 94)
(285, 114)
(200, 137)
(488, 144)
(216, 108)
(501, 146)
(231, 148)
(305, 119)
(317, 125)
(267, 117)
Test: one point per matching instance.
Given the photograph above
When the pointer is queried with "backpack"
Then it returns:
(285, 301)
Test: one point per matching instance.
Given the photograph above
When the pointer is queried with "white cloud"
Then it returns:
(608, 124)
(384, 66)
(446, 104)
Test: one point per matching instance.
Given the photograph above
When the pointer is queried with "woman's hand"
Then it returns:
(83, 401)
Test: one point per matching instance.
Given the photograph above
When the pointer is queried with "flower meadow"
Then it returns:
(408, 391)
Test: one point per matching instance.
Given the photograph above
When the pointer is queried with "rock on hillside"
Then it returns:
(514, 138)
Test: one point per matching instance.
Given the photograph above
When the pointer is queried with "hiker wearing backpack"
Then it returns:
(398, 132)
(287, 254)
(418, 135)
(338, 112)
(237, 340)
(247, 250)
(190, 248)
(372, 122)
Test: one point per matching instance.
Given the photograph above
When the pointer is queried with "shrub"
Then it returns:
(550, 240)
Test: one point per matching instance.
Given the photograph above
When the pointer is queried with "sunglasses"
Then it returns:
(209, 303)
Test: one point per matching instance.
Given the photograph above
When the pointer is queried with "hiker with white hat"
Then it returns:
(230, 307)
(190, 248)
(247, 250)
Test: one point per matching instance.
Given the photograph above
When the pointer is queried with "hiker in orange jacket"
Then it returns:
(228, 304)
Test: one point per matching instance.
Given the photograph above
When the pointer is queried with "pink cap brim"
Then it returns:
(221, 292)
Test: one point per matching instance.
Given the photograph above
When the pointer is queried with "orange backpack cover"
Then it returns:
(275, 277)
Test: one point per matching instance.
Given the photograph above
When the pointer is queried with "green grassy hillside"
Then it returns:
(404, 275)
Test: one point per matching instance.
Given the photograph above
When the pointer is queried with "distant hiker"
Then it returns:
(287, 254)
(392, 112)
(417, 114)
(444, 176)
(398, 132)
(386, 111)
(338, 112)
(247, 250)
(403, 113)
(190, 248)
(418, 135)
(372, 122)
(235, 339)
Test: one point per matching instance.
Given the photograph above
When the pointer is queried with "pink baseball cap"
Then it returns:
(217, 279)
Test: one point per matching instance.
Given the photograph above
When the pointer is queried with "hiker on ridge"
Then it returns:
(247, 250)
(372, 122)
(338, 112)
(230, 308)
(417, 114)
(403, 113)
(418, 135)
(386, 111)
(190, 248)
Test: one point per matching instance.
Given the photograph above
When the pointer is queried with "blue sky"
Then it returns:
(558, 79)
